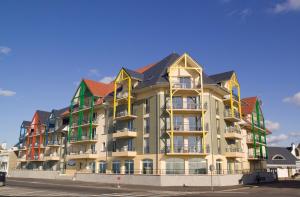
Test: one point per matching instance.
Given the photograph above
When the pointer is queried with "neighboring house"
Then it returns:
(281, 161)
(295, 150)
(8, 160)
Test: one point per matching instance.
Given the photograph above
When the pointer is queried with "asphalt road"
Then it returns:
(42, 187)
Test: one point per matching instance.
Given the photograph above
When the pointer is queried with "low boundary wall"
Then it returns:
(153, 180)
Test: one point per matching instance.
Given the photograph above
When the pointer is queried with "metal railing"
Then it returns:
(232, 129)
(82, 152)
(53, 142)
(188, 127)
(124, 149)
(234, 150)
(228, 113)
(186, 149)
(83, 138)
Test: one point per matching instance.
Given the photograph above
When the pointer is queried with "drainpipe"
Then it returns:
(157, 131)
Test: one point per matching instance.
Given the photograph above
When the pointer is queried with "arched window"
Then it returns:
(147, 166)
(278, 157)
(197, 166)
(102, 167)
(174, 166)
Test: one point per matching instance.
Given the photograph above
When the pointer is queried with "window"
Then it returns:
(130, 145)
(116, 167)
(278, 157)
(177, 102)
(218, 126)
(219, 166)
(194, 123)
(219, 145)
(185, 82)
(114, 146)
(217, 107)
(197, 166)
(129, 167)
(178, 123)
(146, 145)
(146, 125)
(147, 106)
(102, 167)
(147, 166)
(174, 166)
(192, 102)
(194, 144)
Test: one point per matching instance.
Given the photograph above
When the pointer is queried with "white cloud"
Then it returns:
(245, 13)
(274, 139)
(107, 79)
(295, 99)
(294, 134)
(272, 125)
(7, 92)
(286, 6)
(4, 50)
(94, 71)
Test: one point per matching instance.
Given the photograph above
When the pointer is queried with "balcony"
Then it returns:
(125, 133)
(124, 152)
(22, 147)
(90, 154)
(123, 115)
(187, 88)
(85, 123)
(87, 104)
(235, 117)
(36, 158)
(233, 152)
(187, 108)
(186, 150)
(188, 129)
(227, 100)
(52, 157)
(84, 139)
(122, 97)
(53, 143)
(37, 145)
(249, 139)
(233, 133)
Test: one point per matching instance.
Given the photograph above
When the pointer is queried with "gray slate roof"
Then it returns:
(58, 112)
(26, 123)
(222, 76)
(289, 158)
(134, 74)
(43, 115)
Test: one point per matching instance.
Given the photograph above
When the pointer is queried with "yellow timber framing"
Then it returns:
(122, 76)
(173, 90)
(233, 83)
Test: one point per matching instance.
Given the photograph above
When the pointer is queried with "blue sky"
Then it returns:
(46, 47)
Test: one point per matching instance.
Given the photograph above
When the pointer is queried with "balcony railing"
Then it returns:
(179, 85)
(228, 113)
(125, 130)
(233, 150)
(82, 152)
(124, 113)
(232, 129)
(83, 138)
(53, 142)
(124, 149)
(186, 149)
(189, 127)
(196, 106)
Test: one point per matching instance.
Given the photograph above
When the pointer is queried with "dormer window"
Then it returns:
(278, 157)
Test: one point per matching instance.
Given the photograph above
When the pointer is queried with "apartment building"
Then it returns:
(253, 125)
(169, 117)
(55, 140)
(87, 139)
(172, 118)
(41, 141)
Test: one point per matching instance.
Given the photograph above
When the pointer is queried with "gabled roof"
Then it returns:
(156, 74)
(282, 151)
(58, 112)
(248, 105)
(144, 68)
(134, 74)
(26, 123)
(222, 76)
(97, 88)
(43, 116)
(207, 79)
